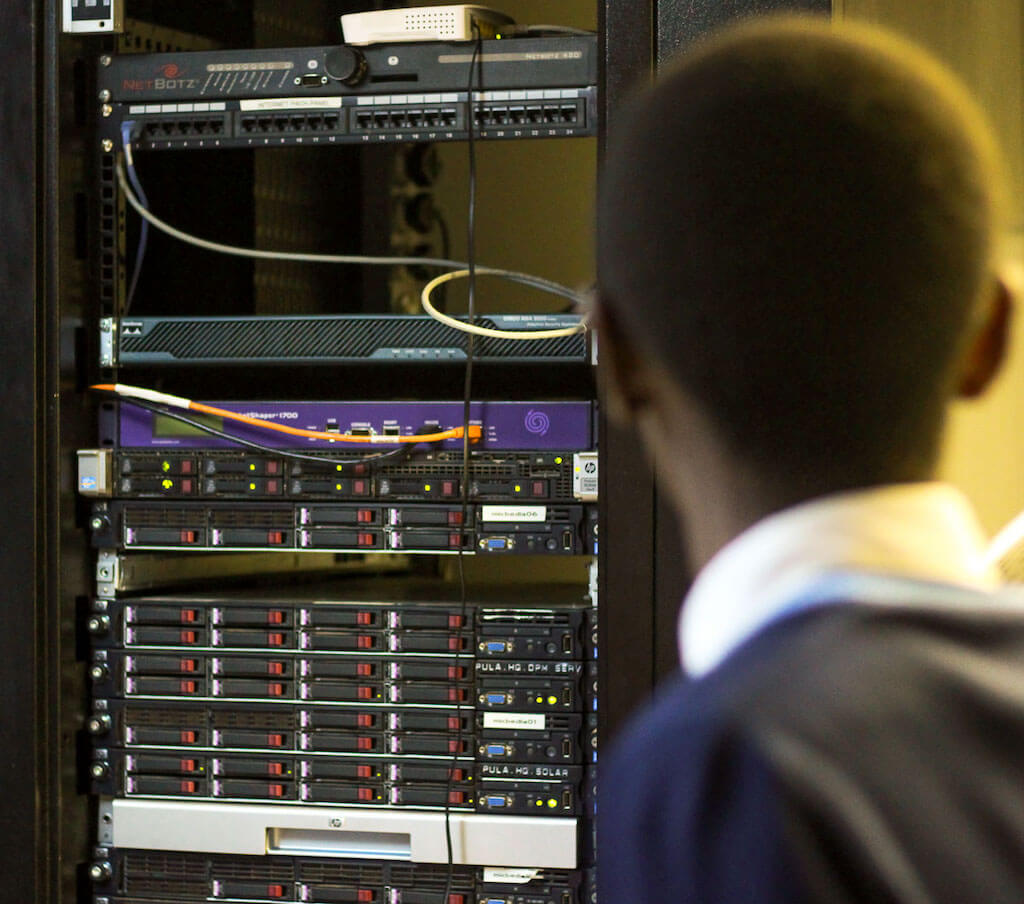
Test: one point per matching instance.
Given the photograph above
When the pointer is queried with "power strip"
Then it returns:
(423, 23)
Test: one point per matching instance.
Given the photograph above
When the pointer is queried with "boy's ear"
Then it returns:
(984, 356)
(624, 384)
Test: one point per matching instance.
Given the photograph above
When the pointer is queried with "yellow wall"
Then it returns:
(983, 41)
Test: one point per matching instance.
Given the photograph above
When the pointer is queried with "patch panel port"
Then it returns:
(398, 120)
(249, 124)
(364, 119)
(167, 127)
(151, 130)
(517, 115)
(217, 126)
(499, 116)
(282, 123)
(431, 117)
(448, 117)
(381, 119)
(482, 117)
(314, 122)
(535, 114)
(265, 124)
(201, 127)
(569, 113)
(298, 123)
(552, 115)
(330, 122)
(414, 118)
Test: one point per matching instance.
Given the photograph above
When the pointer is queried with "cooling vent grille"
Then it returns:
(328, 339)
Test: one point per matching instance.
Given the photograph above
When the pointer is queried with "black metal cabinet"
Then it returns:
(45, 566)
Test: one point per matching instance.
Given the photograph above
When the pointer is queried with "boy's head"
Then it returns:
(796, 234)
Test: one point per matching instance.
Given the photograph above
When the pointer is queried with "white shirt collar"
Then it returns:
(923, 530)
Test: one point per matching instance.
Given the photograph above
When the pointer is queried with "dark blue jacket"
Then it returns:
(847, 753)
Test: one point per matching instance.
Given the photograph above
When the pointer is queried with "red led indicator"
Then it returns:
(187, 536)
(365, 642)
(276, 537)
(365, 793)
(275, 740)
(364, 743)
(188, 737)
(275, 617)
(365, 720)
(188, 787)
(275, 668)
(276, 790)
(364, 669)
(188, 636)
(275, 689)
(187, 665)
(364, 618)
(364, 771)
(275, 768)
(275, 639)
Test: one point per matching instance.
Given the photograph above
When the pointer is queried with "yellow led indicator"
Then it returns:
(552, 700)
(558, 459)
(165, 466)
(167, 484)
(252, 486)
(337, 486)
(337, 467)
(426, 488)
(552, 803)
(252, 466)
(540, 803)
(519, 489)
(539, 700)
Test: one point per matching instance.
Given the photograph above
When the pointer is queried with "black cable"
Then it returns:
(378, 458)
(446, 251)
(476, 62)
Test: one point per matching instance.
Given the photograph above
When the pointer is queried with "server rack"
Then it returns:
(45, 817)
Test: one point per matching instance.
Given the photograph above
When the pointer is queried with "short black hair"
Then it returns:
(796, 222)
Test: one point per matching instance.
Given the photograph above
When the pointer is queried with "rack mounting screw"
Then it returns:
(104, 95)
(105, 60)
(107, 145)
